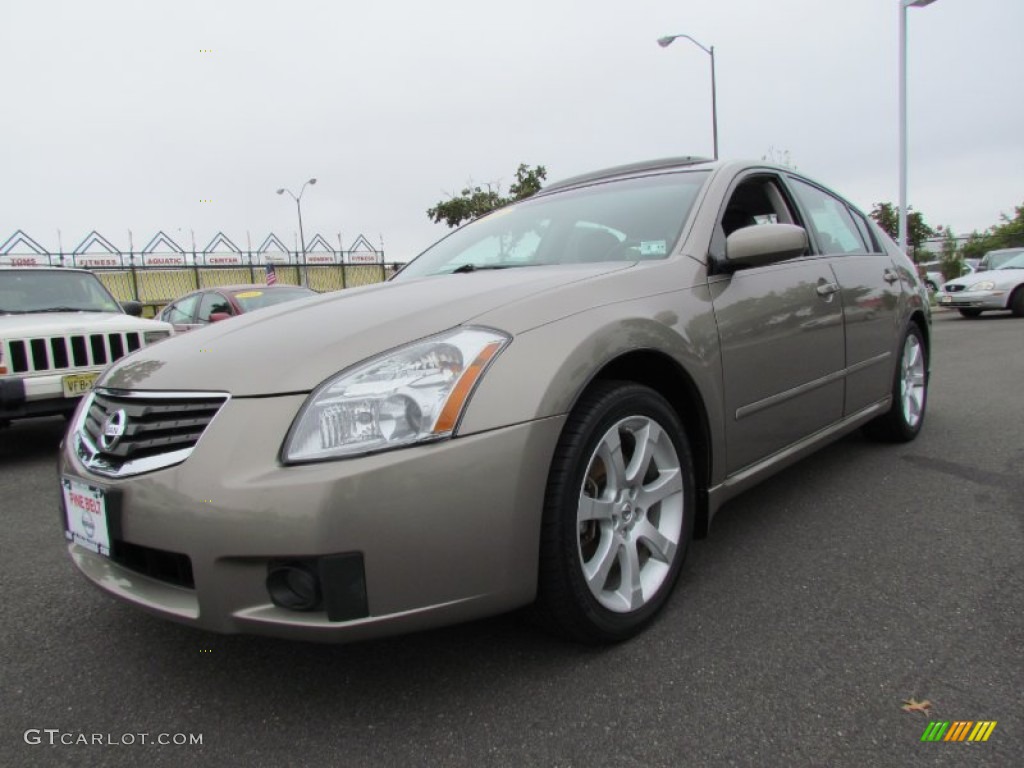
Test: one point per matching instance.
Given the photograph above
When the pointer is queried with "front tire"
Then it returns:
(909, 393)
(618, 515)
(1017, 302)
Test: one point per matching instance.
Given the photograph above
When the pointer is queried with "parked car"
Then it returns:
(212, 305)
(1001, 287)
(934, 279)
(543, 408)
(993, 259)
(59, 328)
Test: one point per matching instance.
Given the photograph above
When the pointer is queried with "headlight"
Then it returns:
(986, 285)
(152, 337)
(410, 395)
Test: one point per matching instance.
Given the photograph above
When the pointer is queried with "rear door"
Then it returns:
(869, 289)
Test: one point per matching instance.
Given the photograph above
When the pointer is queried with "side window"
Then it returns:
(830, 220)
(212, 302)
(756, 200)
(182, 311)
(865, 232)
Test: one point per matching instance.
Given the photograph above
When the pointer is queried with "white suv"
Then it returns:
(59, 328)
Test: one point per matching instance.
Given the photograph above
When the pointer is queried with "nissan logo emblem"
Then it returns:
(113, 429)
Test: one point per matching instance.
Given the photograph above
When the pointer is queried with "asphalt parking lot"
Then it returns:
(823, 599)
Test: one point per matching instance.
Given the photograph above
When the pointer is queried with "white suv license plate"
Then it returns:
(85, 512)
(77, 384)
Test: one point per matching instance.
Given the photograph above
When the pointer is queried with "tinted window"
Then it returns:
(830, 220)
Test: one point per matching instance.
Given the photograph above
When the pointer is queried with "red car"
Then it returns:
(210, 305)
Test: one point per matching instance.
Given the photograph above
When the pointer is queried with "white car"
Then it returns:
(59, 329)
(998, 288)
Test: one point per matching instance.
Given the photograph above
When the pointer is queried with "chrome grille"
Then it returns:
(66, 353)
(121, 433)
(954, 288)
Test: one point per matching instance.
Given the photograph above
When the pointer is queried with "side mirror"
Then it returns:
(216, 317)
(133, 308)
(762, 244)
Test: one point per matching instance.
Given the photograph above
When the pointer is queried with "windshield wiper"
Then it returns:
(480, 267)
(69, 309)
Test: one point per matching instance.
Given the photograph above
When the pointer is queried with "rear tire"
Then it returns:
(971, 313)
(618, 515)
(909, 393)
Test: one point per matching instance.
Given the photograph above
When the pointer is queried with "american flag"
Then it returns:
(271, 275)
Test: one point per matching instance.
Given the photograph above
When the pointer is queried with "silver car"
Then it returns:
(541, 409)
(999, 287)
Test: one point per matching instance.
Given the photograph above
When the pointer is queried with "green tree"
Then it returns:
(474, 201)
(1008, 234)
(886, 215)
(950, 262)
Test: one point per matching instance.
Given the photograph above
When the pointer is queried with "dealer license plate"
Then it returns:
(77, 384)
(85, 512)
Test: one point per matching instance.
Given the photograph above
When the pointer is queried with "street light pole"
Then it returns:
(665, 42)
(904, 4)
(302, 236)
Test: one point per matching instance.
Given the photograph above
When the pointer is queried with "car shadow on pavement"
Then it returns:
(31, 440)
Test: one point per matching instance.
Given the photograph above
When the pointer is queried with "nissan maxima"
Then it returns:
(542, 409)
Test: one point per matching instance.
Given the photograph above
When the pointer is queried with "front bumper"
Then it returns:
(447, 532)
(23, 396)
(974, 300)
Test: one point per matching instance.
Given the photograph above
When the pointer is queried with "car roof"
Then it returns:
(630, 169)
(246, 287)
(40, 268)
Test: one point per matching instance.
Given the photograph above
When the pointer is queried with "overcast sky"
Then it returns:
(116, 119)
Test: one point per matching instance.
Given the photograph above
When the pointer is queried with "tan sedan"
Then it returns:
(543, 408)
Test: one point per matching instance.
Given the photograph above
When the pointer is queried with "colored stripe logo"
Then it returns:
(958, 730)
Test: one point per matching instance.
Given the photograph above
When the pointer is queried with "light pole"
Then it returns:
(666, 41)
(904, 4)
(302, 237)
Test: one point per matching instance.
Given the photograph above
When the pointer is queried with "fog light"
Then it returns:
(294, 585)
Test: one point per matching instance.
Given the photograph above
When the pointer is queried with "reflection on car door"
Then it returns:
(870, 290)
(781, 336)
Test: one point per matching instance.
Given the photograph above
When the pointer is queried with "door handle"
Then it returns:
(890, 277)
(827, 289)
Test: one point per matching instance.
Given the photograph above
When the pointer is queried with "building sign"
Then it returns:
(171, 259)
(363, 257)
(321, 258)
(223, 259)
(97, 261)
(24, 260)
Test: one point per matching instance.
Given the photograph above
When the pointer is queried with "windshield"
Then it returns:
(1015, 262)
(23, 292)
(616, 221)
(257, 298)
(995, 259)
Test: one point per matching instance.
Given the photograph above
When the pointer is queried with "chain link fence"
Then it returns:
(164, 271)
(156, 287)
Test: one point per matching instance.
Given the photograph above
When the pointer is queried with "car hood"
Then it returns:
(1003, 278)
(293, 347)
(71, 323)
